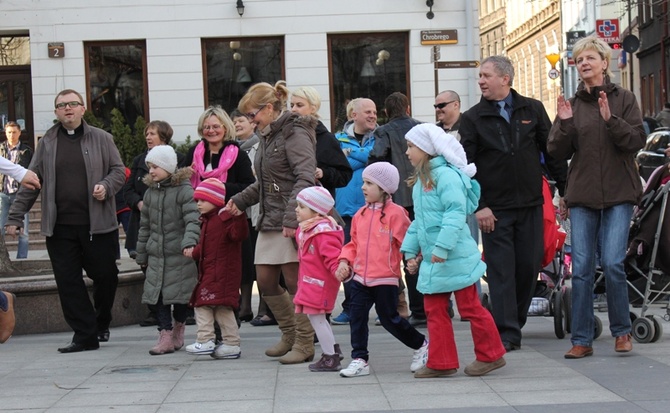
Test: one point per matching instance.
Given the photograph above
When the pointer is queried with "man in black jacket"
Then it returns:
(390, 146)
(505, 135)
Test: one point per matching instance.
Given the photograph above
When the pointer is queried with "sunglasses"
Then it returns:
(252, 115)
(444, 104)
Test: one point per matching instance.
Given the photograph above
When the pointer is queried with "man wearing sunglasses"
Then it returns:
(448, 111)
(80, 170)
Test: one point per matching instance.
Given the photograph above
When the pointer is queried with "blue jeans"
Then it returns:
(586, 224)
(6, 201)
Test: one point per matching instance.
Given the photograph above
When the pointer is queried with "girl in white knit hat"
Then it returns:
(439, 245)
(372, 260)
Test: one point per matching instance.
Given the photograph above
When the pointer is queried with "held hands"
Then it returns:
(486, 220)
(413, 265)
(288, 232)
(188, 252)
(31, 180)
(99, 192)
(343, 271)
(604, 106)
(232, 208)
(564, 109)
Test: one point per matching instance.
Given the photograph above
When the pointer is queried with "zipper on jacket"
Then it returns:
(367, 246)
(503, 139)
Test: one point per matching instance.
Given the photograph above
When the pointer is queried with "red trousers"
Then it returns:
(442, 352)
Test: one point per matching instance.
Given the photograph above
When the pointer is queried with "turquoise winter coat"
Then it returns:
(439, 228)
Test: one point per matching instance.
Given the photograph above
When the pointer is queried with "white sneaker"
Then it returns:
(357, 367)
(201, 348)
(420, 357)
(225, 351)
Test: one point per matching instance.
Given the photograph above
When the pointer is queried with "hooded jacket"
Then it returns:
(169, 224)
(602, 170)
(330, 158)
(318, 252)
(285, 165)
(439, 228)
(377, 231)
(219, 258)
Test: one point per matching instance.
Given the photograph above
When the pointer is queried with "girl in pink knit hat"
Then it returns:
(319, 241)
(371, 261)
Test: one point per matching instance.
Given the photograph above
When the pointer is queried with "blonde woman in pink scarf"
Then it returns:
(217, 154)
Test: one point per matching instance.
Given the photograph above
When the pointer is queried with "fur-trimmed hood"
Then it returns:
(181, 175)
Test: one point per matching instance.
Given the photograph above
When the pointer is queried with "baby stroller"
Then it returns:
(647, 271)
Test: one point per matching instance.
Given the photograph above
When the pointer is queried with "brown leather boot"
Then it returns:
(284, 312)
(303, 348)
(327, 363)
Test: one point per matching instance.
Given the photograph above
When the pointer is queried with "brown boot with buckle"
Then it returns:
(579, 352)
(623, 344)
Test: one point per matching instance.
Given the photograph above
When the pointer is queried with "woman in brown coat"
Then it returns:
(284, 165)
(601, 130)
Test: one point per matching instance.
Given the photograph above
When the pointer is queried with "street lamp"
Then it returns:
(240, 8)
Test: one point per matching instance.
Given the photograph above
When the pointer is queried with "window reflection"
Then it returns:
(116, 74)
(14, 50)
(370, 65)
(232, 65)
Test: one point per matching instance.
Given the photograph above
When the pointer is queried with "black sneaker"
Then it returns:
(417, 321)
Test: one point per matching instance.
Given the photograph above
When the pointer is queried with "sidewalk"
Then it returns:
(123, 376)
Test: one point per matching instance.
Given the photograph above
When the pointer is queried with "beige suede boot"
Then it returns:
(303, 348)
(284, 312)
(164, 344)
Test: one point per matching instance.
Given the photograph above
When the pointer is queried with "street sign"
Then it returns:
(457, 64)
(554, 74)
(572, 38)
(608, 30)
(430, 37)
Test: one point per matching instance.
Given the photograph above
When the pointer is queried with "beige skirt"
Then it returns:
(272, 248)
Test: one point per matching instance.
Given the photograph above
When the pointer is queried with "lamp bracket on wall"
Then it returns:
(430, 13)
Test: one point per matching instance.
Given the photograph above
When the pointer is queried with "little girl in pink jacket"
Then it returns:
(320, 242)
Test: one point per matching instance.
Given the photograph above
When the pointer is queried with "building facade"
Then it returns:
(171, 60)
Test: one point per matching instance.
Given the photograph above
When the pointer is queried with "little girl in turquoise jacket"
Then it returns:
(438, 244)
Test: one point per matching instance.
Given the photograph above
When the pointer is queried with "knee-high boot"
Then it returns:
(284, 312)
(303, 348)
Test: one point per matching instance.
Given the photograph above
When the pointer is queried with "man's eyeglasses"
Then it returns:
(252, 115)
(212, 127)
(72, 104)
(444, 104)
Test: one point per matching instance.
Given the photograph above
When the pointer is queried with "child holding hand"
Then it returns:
(168, 232)
(444, 195)
(373, 256)
(320, 242)
(219, 258)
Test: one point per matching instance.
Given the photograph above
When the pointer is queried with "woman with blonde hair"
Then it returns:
(332, 167)
(600, 128)
(285, 164)
(216, 155)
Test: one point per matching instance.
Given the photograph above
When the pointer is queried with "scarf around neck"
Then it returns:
(226, 161)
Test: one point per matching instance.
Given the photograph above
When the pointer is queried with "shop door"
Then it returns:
(16, 101)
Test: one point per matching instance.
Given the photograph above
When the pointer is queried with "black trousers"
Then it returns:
(513, 254)
(72, 249)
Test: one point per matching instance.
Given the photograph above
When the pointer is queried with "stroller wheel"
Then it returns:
(567, 304)
(558, 314)
(658, 328)
(597, 327)
(643, 330)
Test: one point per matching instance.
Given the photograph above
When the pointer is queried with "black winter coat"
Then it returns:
(329, 157)
(508, 156)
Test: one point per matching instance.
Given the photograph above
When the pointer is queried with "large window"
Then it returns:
(15, 89)
(14, 50)
(369, 65)
(231, 65)
(116, 74)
